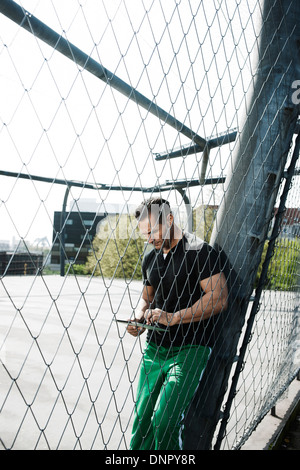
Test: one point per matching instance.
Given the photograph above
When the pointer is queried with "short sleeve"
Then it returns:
(208, 261)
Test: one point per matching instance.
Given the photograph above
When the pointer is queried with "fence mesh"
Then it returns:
(148, 102)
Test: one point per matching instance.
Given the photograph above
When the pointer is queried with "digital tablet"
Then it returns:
(141, 325)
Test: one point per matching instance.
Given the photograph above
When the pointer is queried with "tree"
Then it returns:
(117, 249)
(203, 220)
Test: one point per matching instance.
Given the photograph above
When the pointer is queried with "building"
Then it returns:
(20, 264)
(79, 231)
(290, 227)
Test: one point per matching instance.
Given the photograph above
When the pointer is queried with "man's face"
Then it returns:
(158, 234)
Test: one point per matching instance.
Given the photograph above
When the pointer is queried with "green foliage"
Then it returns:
(203, 221)
(77, 269)
(117, 250)
(284, 268)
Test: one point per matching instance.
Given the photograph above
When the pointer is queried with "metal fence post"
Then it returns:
(259, 289)
(63, 232)
(251, 188)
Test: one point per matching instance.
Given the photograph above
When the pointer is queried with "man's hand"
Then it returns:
(135, 330)
(156, 315)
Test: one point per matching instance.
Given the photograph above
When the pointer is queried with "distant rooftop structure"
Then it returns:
(92, 205)
(79, 231)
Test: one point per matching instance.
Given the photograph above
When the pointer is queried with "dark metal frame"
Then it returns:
(180, 186)
(211, 415)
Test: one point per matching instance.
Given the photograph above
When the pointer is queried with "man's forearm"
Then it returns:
(209, 304)
(143, 306)
(212, 302)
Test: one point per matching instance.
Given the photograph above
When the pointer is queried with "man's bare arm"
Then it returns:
(214, 301)
(146, 299)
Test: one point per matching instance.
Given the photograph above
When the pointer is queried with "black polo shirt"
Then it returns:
(176, 280)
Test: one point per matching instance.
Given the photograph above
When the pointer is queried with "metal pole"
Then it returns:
(188, 207)
(192, 149)
(251, 188)
(178, 184)
(205, 157)
(255, 306)
(262, 144)
(39, 29)
(63, 232)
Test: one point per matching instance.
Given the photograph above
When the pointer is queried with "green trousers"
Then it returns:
(167, 383)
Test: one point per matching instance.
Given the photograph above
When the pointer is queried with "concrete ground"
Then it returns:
(273, 428)
(69, 371)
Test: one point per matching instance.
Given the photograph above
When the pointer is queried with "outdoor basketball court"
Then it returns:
(69, 367)
(70, 371)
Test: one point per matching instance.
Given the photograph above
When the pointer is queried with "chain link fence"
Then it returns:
(104, 105)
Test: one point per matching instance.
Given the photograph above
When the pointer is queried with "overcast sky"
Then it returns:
(194, 59)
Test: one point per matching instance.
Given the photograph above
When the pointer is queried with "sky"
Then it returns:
(194, 59)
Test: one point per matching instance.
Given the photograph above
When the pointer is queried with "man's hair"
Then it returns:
(158, 206)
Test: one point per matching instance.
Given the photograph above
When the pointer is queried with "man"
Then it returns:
(183, 291)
